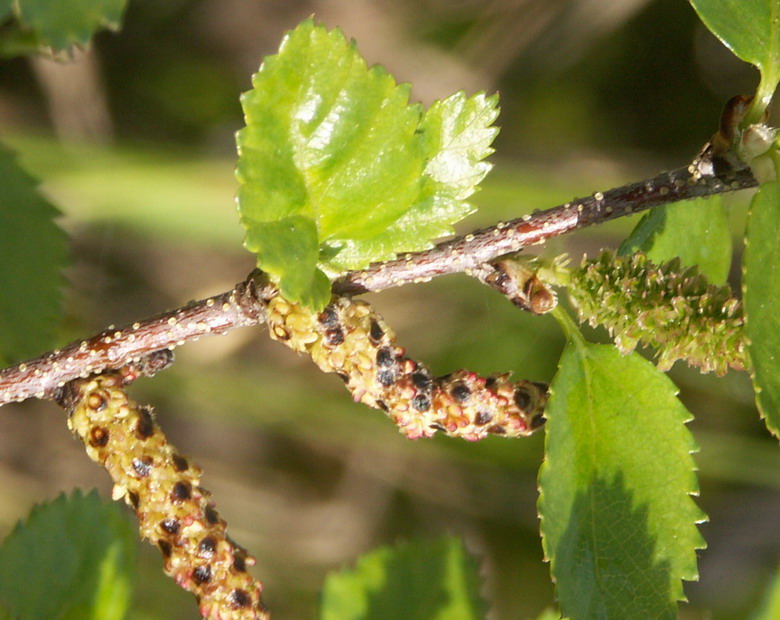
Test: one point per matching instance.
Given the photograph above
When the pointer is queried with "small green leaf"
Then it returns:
(337, 143)
(433, 580)
(618, 522)
(697, 231)
(770, 609)
(33, 252)
(60, 24)
(326, 139)
(762, 300)
(72, 559)
(749, 29)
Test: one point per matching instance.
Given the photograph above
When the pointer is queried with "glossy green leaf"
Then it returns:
(770, 608)
(697, 231)
(762, 299)
(749, 29)
(33, 252)
(435, 580)
(72, 559)
(59, 24)
(457, 134)
(336, 143)
(618, 522)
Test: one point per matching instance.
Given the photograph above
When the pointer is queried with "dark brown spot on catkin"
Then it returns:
(385, 357)
(180, 463)
(134, 499)
(143, 466)
(460, 392)
(538, 420)
(98, 436)
(382, 405)
(328, 317)
(385, 377)
(211, 515)
(170, 525)
(181, 491)
(421, 402)
(375, 332)
(483, 417)
(343, 376)
(334, 336)
(497, 430)
(239, 598)
(239, 563)
(207, 546)
(165, 548)
(202, 574)
(421, 380)
(490, 382)
(522, 399)
(145, 426)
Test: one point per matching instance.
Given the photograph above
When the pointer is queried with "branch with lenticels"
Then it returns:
(243, 306)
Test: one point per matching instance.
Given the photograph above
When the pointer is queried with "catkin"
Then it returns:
(350, 339)
(163, 488)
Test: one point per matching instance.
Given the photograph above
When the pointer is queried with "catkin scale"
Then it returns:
(163, 488)
(350, 339)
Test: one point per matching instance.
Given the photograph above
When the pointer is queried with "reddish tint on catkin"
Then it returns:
(350, 339)
(163, 487)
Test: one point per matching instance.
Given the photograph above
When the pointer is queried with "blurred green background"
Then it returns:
(134, 142)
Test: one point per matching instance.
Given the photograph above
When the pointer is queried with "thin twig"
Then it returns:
(113, 348)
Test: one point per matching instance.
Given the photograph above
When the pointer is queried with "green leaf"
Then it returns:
(72, 559)
(292, 240)
(770, 608)
(697, 231)
(434, 580)
(618, 522)
(336, 143)
(33, 252)
(60, 24)
(749, 29)
(457, 134)
(761, 281)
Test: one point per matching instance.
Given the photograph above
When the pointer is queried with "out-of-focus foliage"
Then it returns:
(762, 296)
(72, 558)
(54, 24)
(33, 252)
(437, 580)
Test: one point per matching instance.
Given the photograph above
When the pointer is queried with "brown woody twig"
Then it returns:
(242, 306)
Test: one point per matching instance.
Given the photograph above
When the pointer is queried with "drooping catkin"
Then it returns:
(163, 488)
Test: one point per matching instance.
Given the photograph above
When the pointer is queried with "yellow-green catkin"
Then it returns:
(163, 488)
(350, 339)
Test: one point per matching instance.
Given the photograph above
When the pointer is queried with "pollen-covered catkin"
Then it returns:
(163, 488)
(671, 308)
(350, 339)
